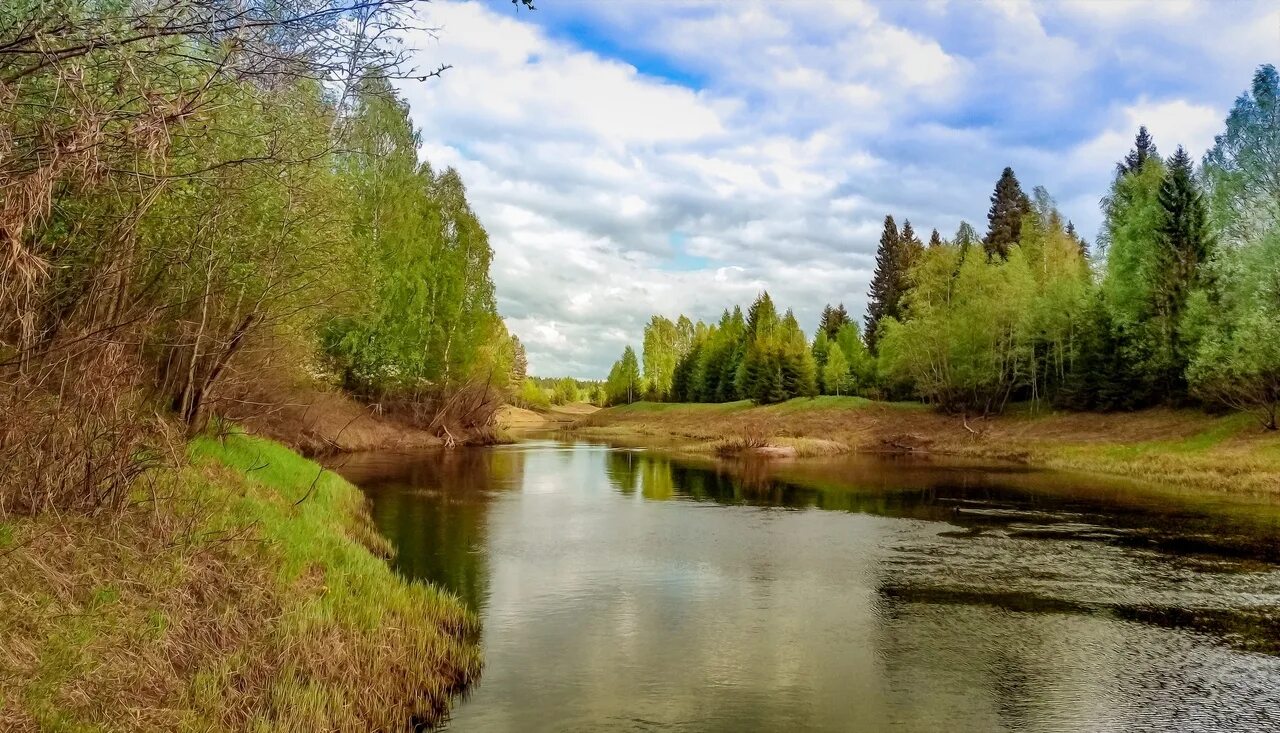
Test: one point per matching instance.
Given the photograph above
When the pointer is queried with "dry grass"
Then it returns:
(1179, 447)
(77, 433)
(751, 437)
(242, 598)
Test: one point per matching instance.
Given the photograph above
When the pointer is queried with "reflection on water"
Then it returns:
(622, 590)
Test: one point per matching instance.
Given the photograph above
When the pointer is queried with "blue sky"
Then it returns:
(631, 158)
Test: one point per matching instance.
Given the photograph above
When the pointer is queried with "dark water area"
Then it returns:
(626, 590)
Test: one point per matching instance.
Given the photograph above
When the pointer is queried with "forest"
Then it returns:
(1178, 302)
(206, 207)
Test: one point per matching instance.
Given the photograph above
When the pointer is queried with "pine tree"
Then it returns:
(1004, 220)
(935, 240)
(885, 292)
(1144, 148)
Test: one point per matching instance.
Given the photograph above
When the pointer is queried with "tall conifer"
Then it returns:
(1144, 148)
(1009, 203)
(884, 293)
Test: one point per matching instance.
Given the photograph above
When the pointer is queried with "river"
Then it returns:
(625, 590)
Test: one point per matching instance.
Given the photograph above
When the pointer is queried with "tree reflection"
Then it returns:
(433, 508)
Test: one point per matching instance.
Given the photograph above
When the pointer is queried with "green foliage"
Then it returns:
(429, 317)
(532, 396)
(962, 346)
(1240, 168)
(217, 205)
(836, 379)
(862, 365)
(1237, 357)
(1170, 308)
(665, 344)
(565, 392)
(624, 384)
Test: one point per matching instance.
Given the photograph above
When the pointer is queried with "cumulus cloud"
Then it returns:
(633, 158)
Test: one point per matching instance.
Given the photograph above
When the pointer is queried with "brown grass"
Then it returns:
(1183, 447)
(77, 434)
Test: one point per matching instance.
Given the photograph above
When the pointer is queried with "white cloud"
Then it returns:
(759, 145)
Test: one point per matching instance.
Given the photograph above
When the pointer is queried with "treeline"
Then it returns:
(1179, 304)
(543, 392)
(198, 197)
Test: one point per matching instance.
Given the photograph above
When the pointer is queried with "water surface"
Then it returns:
(623, 590)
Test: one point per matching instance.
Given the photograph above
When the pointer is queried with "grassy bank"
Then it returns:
(1183, 447)
(244, 592)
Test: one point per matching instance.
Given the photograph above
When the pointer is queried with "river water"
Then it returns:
(624, 590)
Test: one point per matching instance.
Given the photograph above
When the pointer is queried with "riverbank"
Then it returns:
(556, 417)
(245, 591)
(1180, 447)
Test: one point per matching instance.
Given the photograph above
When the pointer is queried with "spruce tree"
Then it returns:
(912, 248)
(935, 240)
(1183, 244)
(1144, 148)
(1009, 203)
(832, 319)
(762, 318)
(821, 347)
(884, 293)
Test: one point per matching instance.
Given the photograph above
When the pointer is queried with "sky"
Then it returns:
(631, 158)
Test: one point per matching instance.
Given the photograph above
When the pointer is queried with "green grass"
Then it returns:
(408, 639)
(250, 596)
(648, 407)
(824, 402)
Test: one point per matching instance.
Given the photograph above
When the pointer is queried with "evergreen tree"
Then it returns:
(935, 240)
(762, 318)
(912, 249)
(1144, 149)
(1004, 219)
(832, 319)
(821, 348)
(683, 378)
(1182, 249)
(885, 294)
